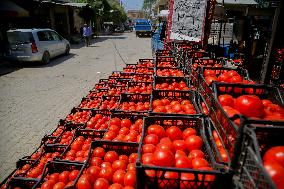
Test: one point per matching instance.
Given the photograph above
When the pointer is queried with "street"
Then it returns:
(34, 97)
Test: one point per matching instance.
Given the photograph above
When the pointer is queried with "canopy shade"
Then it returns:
(238, 2)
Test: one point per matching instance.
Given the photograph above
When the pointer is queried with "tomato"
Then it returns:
(131, 167)
(224, 155)
(130, 179)
(276, 172)
(193, 142)
(179, 153)
(147, 158)
(126, 123)
(106, 164)
(48, 184)
(210, 79)
(151, 139)
(148, 148)
(99, 152)
(123, 158)
(115, 121)
(209, 73)
(118, 176)
(164, 158)
(266, 103)
(64, 177)
(106, 173)
(188, 132)
(174, 133)
(182, 162)
(236, 79)
(275, 154)
(115, 186)
(94, 172)
(223, 78)
(199, 162)
(196, 154)
(226, 100)
(133, 157)
(119, 164)
(59, 185)
(73, 175)
(180, 145)
(111, 156)
(166, 146)
(128, 187)
(208, 177)
(101, 183)
(157, 130)
(54, 177)
(249, 105)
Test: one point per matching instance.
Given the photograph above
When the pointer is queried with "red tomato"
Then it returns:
(236, 79)
(106, 173)
(209, 73)
(99, 152)
(166, 146)
(119, 164)
(48, 184)
(157, 130)
(130, 179)
(183, 162)
(126, 123)
(275, 154)
(174, 133)
(128, 187)
(180, 145)
(210, 79)
(148, 148)
(131, 167)
(54, 177)
(59, 185)
(151, 139)
(115, 121)
(118, 177)
(111, 156)
(101, 183)
(199, 162)
(64, 177)
(276, 172)
(73, 175)
(147, 158)
(249, 105)
(94, 172)
(115, 186)
(226, 100)
(193, 142)
(188, 132)
(164, 158)
(223, 78)
(179, 153)
(133, 157)
(196, 154)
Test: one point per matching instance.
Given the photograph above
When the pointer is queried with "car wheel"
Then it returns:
(67, 51)
(45, 58)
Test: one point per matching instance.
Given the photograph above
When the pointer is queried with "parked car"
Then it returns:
(35, 45)
(143, 27)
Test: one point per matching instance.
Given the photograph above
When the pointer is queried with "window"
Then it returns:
(20, 37)
(44, 36)
(54, 36)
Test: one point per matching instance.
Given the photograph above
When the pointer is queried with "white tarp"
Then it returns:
(238, 2)
(188, 20)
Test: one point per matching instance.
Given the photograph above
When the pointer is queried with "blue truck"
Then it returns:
(143, 27)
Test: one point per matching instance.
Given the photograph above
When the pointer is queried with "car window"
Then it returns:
(16, 37)
(54, 36)
(44, 36)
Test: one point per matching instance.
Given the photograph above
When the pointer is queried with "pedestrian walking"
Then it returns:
(87, 34)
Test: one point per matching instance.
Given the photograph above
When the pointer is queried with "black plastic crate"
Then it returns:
(101, 86)
(107, 98)
(90, 103)
(157, 178)
(144, 70)
(94, 123)
(56, 133)
(142, 77)
(121, 75)
(97, 93)
(140, 85)
(79, 112)
(20, 182)
(135, 98)
(171, 80)
(257, 139)
(201, 103)
(121, 82)
(173, 95)
(143, 60)
(58, 167)
(157, 70)
(204, 88)
(209, 131)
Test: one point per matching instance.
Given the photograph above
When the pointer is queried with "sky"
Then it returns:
(132, 4)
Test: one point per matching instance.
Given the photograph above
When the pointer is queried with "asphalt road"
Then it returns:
(34, 97)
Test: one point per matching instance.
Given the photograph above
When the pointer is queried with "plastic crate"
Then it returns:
(20, 182)
(140, 85)
(97, 93)
(157, 180)
(171, 80)
(143, 60)
(69, 118)
(107, 98)
(55, 133)
(201, 103)
(194, 62)
(208, 132)
(135, 98)
(168, 70)
(90, 103)
(173, 95)
(142, 77)
(145, 70)
(121, 82)
(121, 75)
(257, 139)
(205, 89)
(58, 167)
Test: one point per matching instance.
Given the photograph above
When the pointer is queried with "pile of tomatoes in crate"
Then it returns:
(170, 122)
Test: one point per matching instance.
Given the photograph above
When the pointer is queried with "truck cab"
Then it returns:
(143, 27)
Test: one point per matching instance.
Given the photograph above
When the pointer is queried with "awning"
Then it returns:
(8, 8)
(79, 5)
(164, 13)
(238, 2)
